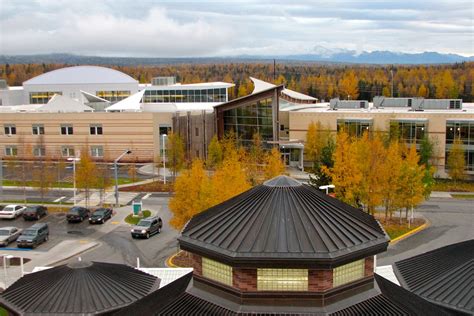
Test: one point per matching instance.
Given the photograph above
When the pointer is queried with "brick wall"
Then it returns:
(369, 266)
(196, 263)
(319, 280)
(245, 279)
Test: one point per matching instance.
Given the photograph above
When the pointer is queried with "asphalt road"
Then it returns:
(119, 247)
(34, 195)
(451, 221)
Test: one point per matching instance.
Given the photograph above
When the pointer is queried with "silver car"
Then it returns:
(8, 235)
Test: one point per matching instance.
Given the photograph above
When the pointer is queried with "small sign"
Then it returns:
(137, 207)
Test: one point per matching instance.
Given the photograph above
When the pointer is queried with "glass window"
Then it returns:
(66, 129)
(39, 151)
(113, 95)
(38, 129)
(42, 97)
(463, 130)
(349, 272)
(217, 271)
(355, 128)
(97, 151)
(96, 129)
(282, 280)
(67, 151)
(10, 129)
(11, 151)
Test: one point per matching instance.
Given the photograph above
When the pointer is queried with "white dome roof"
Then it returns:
(81, 75)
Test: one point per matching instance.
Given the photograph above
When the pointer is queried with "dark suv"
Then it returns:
(77, 214)
(34, 212)
(147, 227)
(33, 236)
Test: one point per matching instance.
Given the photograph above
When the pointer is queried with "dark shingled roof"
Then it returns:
(79, 288)
(283, 219)
(174, 299)
(443, 276)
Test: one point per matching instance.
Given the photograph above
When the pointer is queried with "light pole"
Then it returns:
(1, 176)
(128, 151)
(164, 158)
(74, 174)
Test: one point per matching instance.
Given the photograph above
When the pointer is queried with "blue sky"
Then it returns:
(146, 28)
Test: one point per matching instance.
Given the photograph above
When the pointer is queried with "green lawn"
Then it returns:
(61, 184)
(463, 196)
(34, 202)
(447, 185)
(133, 220)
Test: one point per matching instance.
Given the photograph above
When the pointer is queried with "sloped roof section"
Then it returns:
(81, 75)
(81, 288)
(129, 104)
(60, 103)
(443, 276)
(283, 219)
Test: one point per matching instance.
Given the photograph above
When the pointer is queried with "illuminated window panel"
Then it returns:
(349, 272)
(282, 280)
(217, 271)
(113, 96)
(42, 97)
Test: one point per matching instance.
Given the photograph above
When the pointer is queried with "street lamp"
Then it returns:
(128, 151)
(164, 158)
(74, 159)
(1, 176)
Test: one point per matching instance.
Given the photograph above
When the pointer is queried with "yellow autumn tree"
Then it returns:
(411, 192)
(370, 156)
(192, 194)
(86, 174)
(316, 139)
(345, 174)
(391, 179)
(214, 153)
(456, 162)
(229, 179)
(273, 164)
(349, 86)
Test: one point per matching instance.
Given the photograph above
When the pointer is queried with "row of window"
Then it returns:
(65, 129)
(181, 96)
(66, 151)
(42, 97)
(283, 279)
(113, 96)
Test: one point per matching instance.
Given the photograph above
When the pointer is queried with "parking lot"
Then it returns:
(59, 229)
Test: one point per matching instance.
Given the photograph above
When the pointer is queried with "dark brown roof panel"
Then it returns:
(443, 276)
(283, 219)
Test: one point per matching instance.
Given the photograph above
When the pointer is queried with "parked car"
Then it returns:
(12, 211)
(100, 216)
(8, 235)
(147, 227)
(35, 212)
(33, 236)
(77, 214)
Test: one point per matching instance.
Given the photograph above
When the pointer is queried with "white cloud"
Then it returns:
(209, 28)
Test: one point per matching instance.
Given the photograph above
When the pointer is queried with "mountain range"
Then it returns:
(318, 55)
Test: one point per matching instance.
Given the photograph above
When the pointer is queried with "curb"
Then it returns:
(411, 232)
(78, 253)
(169, 262)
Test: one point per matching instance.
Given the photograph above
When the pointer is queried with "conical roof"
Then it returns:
(79, 288)
(283, 219)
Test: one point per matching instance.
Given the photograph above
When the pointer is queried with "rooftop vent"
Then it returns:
(163, 81)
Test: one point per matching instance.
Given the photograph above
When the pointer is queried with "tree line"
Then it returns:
(377, 170)
(229, 170)
(322, 81)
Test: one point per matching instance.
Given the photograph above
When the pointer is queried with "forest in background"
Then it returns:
(322, 81)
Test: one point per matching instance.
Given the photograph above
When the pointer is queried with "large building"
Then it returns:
(105, 111)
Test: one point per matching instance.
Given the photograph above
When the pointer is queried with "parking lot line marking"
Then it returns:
(146, 196)
(61, 198)
(115, 223)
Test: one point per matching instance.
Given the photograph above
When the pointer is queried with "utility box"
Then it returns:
(137, 207)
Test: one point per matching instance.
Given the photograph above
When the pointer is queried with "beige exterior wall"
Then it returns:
(299, 122)
(137, 131)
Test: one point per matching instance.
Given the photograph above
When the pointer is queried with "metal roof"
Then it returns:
(181, 298)
(81, 75)
(443, 276)
(284, 220)
(83, 288)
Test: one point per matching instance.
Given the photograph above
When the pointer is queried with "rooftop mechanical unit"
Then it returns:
(335, 104)
(421, 104)
(163, 81)
(384, 102)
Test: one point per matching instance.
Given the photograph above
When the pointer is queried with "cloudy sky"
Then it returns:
(176, 28)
